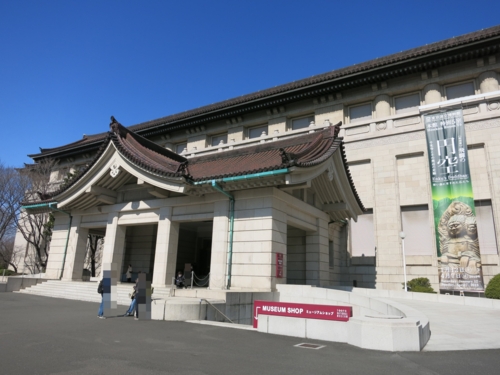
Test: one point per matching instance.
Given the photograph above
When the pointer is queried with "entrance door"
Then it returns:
(140, 244)
(195, 250)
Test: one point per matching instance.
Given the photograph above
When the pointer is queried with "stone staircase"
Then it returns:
(77, 290)
(168, 303)
(87, 291)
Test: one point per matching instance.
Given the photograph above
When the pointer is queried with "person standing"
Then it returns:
(133, 296)
(129, 273)
(100, 290)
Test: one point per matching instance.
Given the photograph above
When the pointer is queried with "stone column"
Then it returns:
(167, 241)
(488, 82)
(114, 244)
(387, 220)
(432, 93)
(259, 233)
(220, 236)
(317, 269)
(57, 245)
(75, 253)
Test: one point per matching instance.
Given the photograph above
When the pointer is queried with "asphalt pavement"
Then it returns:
(42, 335)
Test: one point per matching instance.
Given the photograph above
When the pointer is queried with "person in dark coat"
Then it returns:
(100, 290)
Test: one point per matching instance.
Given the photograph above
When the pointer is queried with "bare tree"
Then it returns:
(13, 186)
(93, 257)
(36, 229)
(7, 254)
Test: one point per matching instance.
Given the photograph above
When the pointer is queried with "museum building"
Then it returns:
(309, 182)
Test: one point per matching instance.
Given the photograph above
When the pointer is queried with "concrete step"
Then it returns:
(82, 291)
(75, 296)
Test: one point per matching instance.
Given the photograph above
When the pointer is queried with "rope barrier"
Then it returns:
(203, 281)
(201, 278)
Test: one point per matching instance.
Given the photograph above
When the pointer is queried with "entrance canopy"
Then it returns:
(125, 159)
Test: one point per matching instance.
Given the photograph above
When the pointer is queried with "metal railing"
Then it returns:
(217, 311)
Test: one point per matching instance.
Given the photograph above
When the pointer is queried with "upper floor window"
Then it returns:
(220, 139)
(360, 112)
(415, 224)
(363, 235)
(179, 148)
(302, 122)
(460, 90)
(258, 131)
(406, 103)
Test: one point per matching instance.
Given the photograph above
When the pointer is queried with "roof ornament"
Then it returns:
(117, 128)
(115, 169)
(286, 158)
(335, 129)
(42, 196)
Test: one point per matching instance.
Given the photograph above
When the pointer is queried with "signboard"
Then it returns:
(279, 265)
(301, 310)
(459, 260)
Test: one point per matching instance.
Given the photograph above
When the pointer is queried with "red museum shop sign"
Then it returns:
(301, 310)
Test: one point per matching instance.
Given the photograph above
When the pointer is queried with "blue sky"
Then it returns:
(66, 66)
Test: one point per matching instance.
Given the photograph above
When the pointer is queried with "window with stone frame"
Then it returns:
(460, 90)
(180, 148)
(486, 227)
(406, 103)
(301, 122)
(363, 235)
(257, 131)
(417, 226)
(360, 112)
(217, 140)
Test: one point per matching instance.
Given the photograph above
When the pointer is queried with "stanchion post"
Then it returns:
(192, 279)
(403, 235)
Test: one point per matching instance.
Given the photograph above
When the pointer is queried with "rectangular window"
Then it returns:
(180, 148)
(258, 131)
(418, 234)
(460, 90)
(301, 123)
(406, 103)
(485, 227)
(360, 112)
(220, 139)
(363, 236)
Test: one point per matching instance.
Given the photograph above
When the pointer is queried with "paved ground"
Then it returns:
(41, 335)
(458, 327)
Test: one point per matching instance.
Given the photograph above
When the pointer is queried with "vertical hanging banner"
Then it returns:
(459, 259)
(279, 265)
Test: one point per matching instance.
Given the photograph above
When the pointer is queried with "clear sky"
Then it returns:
(66, 66)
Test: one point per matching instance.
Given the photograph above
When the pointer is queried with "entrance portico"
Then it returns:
(228, 212)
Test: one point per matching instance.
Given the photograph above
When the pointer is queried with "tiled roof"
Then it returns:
(146, 154)
(304, 150)
(339, 73)
(301, 151)
(344, 73)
